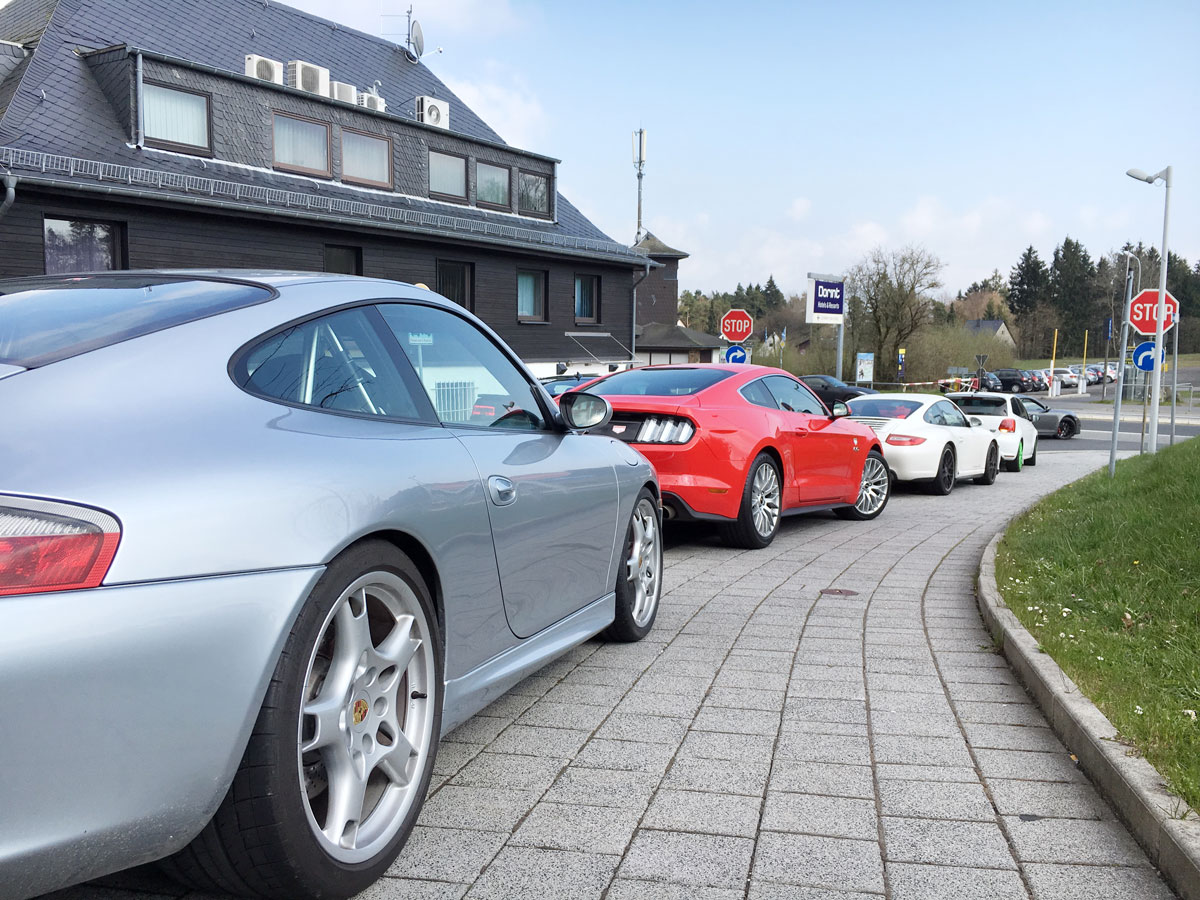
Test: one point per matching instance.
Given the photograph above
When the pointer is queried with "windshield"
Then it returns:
(883, 407)
(989, 406)
(43, 320)
(658, 382)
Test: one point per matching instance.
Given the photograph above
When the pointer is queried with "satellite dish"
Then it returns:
(416, 42)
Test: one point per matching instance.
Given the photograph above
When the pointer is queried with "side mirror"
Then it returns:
(840, 409)
(975, 422)
(583, 411)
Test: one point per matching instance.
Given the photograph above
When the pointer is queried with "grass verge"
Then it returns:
(1106, 575)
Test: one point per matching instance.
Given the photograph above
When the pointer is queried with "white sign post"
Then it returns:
(827, 306)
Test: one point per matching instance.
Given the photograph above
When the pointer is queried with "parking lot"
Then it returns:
(826, 718)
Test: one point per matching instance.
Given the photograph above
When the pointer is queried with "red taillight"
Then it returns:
(904, 440)
(48, 546)
(1009, 425)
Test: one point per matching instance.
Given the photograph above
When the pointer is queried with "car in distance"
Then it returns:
(1015, 380)
(1059, 423)
(744, 445)
(1066, 377)
(556, 385)
(926, 438)
(1004, 416)
(991, 382)
(1040, 383)
(831, 390)
(1090, 374)
(263, 539)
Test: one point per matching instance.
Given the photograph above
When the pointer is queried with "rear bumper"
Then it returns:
(1008, 444)
(912, 463)
(694, 484)
(126, 711)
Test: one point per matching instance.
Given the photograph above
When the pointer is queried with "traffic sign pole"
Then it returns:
(1164, 262)
(1112, 451)
(1174, 379)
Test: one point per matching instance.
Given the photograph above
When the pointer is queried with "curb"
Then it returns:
(1130, 784)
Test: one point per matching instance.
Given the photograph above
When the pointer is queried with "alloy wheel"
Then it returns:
(644, 561)
(873, 491)
(366, 723)
(946, 473)
(764, 500)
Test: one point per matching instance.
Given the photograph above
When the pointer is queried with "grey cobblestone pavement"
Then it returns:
(825, 719)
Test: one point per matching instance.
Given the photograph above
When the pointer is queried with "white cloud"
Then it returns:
(508, 104)
(1036, 224)
(799, 208)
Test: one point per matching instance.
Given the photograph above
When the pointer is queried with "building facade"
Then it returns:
(238, 133)
(660, 337)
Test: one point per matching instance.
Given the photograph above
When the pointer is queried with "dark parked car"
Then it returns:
(990, 383)
(1061, 423)
(831, 390)
(1015, 380)
(1039, 380)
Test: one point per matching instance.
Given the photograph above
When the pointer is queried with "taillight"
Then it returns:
(1009, 425)
(665, 430)
(904, 440)
(48, 546)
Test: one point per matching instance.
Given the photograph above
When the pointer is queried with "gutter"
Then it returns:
(633, 308)
(10, 193)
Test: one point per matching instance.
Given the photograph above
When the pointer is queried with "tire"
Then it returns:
(1016, 389)
(943, 482)
(1015, 465)
(369, 615)
(991, 466)
(1066, 430)
(639, 572)
(762, 505)
(1032, 460)
(874, 490)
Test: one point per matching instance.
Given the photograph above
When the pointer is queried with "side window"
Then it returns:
(952, 415)
(337, 362)
(1021, 410)
(467, 378)
(933, 415)
(794, 396)
(756, 392)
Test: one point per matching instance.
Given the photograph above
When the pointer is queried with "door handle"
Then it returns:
(502, 489)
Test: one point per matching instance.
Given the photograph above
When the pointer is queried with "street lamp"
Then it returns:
(1161, 313)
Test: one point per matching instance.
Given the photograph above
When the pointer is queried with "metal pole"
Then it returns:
(1174, 377)
(1160, 315)
(1083, 367)
(841, 331)
(1145, 397)
(1107, 350)
(1112, 450)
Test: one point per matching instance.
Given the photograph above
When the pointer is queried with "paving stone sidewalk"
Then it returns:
(822, 720)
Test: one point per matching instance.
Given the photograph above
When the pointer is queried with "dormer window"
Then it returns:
(447, 176)
(366, 159)
(301, 145)
(533, 194)
(491, 186)
(176, 119)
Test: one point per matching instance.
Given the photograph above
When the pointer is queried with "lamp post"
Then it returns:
(1161, 313)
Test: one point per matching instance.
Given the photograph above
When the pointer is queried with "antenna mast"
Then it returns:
(639, 163)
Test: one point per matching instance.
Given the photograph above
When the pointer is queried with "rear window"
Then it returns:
(883, 407)
(658, 382)
(43, 320)
(989, 406)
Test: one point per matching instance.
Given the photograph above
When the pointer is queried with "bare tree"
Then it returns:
(895, 290)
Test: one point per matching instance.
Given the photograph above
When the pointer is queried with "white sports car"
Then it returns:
(1008, 420)
(927, 438)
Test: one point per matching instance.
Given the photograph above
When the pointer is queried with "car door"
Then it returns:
(821, 450)
(1037, 414)
(1026, 426)
(552, 495)
(970, 449)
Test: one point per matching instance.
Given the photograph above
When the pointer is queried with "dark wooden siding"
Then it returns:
(163, 237)
(658, 295)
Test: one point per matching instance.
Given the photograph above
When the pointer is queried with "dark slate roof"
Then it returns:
(656, 248)
(657, 335)
(22, 21)
(991, 326)
(60, 129)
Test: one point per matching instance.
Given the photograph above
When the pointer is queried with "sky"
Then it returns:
(790, 137)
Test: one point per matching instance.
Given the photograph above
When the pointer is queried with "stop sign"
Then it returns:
(1143, 312)
(736, 326)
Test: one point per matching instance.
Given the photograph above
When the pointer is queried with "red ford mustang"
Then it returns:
(742, 445)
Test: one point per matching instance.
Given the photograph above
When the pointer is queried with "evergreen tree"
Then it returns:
(1029, 284)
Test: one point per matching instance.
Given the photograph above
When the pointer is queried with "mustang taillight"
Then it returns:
(904, 440)
(665, 430)
(1009, 425)
(48, 546)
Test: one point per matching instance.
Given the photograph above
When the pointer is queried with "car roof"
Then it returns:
(978, 394)
(274, 278)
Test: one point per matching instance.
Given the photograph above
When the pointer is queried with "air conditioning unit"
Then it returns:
(347, 93)
(266, 69)
(308, 77)
(433, 111)
(372, 101)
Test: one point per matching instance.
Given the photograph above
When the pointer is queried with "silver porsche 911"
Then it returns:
(264, 538)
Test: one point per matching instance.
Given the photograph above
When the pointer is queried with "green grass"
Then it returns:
(1106, 575)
